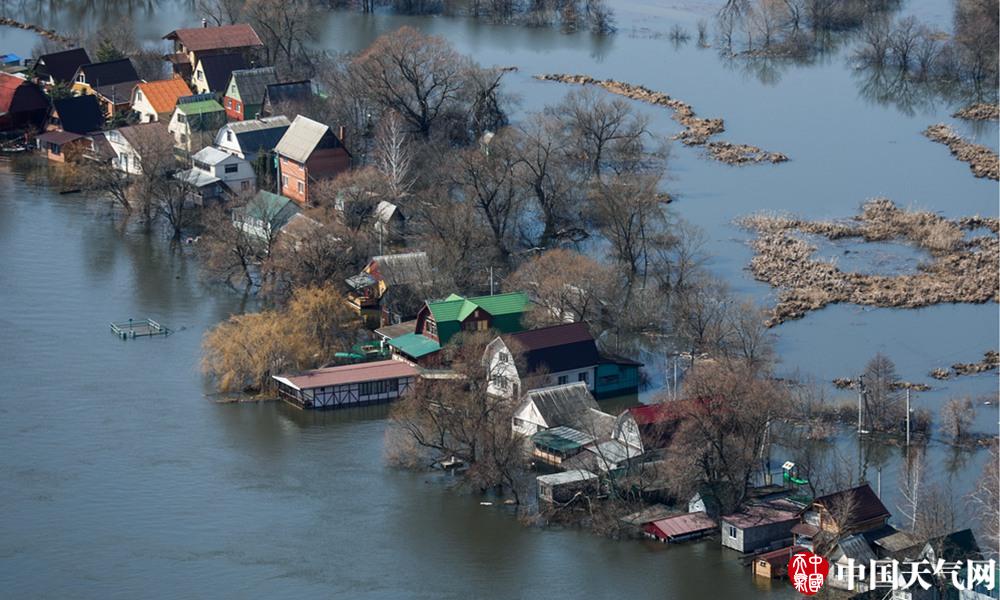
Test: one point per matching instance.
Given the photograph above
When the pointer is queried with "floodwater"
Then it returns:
(121, 478)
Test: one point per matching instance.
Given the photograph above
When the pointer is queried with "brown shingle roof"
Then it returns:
(163, 95)
(867, 505)
(372, 371)
(198, 39)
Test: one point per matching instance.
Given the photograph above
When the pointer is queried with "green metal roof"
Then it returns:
(457, 308)
(200, 108)
(414, 345)
(561, 439)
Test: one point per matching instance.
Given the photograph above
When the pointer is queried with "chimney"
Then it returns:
(204, 22)
(340, 133)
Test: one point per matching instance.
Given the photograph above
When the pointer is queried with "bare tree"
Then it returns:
(885, 410)
(393, 155)
(957, 417)
(602, 132)
(566, 286)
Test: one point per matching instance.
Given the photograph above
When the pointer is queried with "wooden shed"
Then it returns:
(774, 564)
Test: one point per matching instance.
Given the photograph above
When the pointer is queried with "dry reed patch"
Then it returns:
(983, 161)
(959, 270)
(697, 130)
(980, 111)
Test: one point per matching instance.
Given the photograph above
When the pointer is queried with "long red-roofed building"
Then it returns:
(348, 385)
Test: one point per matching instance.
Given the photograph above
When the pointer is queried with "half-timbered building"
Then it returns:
(347, 385)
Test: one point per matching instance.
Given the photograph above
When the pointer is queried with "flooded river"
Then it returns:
(121, 478)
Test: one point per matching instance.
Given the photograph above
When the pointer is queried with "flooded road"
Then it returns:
(121, 477)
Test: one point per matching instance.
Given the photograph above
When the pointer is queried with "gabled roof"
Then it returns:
(62, 66)
(562, 404)
(269, 208)
(59, 137)
(679, 526)
(20, 95)
(218, 68)
(291, 91)
(252, 83)
(197, 39)
(163, 95)
(137, 134)
(118, 93)
(259, 134)
(957, 546)
(303, 137)
(211, 156)
(370, 371)
(866, 503)
(457, 308)
(562, 439)
(197, 177)
(556, 348)
(856, 547)
(761, 514)
(109, 73)
(407, 267)
(79, 114)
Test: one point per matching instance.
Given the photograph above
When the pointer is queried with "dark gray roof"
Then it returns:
(110, 73)
(259, 134)
(218, 68)
(62, 66)
(252, 83)
(566, 404)
(79, 114)
(119, 93)
(291, 91)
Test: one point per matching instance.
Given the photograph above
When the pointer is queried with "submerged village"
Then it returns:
(504, 287)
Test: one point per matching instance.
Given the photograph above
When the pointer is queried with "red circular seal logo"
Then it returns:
(807, 572)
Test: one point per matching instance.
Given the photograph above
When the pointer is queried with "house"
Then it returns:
(850, 552)
(244, 95)
(388, 221)
(759, 526)
(251, 137)
(287, 97)
(215, 172)
(111, 81)
(679, 528)
(23, 105)
(76, 114)
(264, 215)
(59, 68)
(855, 510)
(308, 152)
(129, 144)
(407, 274)
(347, 385)
(438, 322)
(548, 407)
(195, 121)
(300, 229)
(563, 487)
(197, 42)
(156, 100)
(774, 564)
(62, 146)
(650, 427)
(564, 353)
(213, 72)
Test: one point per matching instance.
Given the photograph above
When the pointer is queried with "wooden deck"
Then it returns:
(138, 328)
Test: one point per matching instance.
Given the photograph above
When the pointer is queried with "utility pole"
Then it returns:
(491, 281)
(907, 417)
(861, 392)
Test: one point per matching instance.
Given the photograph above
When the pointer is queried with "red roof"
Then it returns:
(372, 371)
(681, 525)
(649, 414)
(14, 99)
(197, 39)
(780, 557)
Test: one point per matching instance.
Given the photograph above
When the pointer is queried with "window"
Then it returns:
(233, 168)
(584, 377)
(138, 94)
(239, 107)
(284, 181)
(504, 357)
(182, 118)
(371, 388)
(229, 103)
(731, 531)
(200, 75)
(184, 138)
(301, 187)
(244, 185)
(431, 327)
(501, 381)
(56, 149)
(563, 379)
(229, 135)
(81, 79)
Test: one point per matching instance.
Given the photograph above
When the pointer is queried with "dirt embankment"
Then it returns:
(960, 269)
(990, 361)
(46, 33)
(980, 111)
(697, 130)
(844, 383)
(983, 161)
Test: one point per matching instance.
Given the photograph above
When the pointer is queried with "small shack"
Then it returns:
(347, 385)
(759, 526)
(774, 564)
(563, 487)
(555, 445)
(678, 528)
